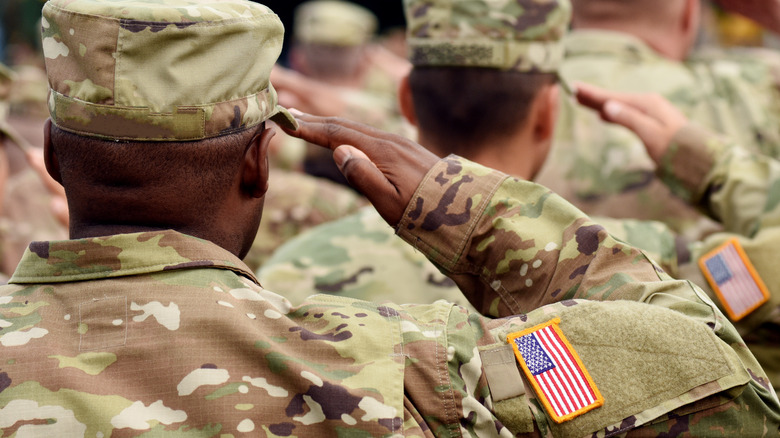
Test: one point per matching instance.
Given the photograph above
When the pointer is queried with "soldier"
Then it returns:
(333, 46)
(642, 46)
(147, 322)
(499, 112)
(29, 193)
(737, 188)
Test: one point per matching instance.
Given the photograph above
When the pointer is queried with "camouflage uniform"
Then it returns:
(605, 171)
(359, 256)
(26, 213)
(159, 333)
(740, 190)
(294, 203)
(96, 342)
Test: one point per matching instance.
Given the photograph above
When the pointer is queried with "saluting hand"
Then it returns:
(386, 168)
(650, 116)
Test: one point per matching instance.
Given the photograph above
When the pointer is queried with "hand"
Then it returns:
(386, 168)
(650, 116)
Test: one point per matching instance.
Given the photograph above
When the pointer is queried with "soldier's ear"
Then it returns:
(406, 101)
(49, 156)
(254, 172)
(545, 107)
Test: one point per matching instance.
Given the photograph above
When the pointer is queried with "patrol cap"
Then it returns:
(520, 35)
(335, 23)
(161, 70)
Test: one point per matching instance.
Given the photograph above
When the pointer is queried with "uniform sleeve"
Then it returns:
(513, 246)
(738, 188)
(526, 257)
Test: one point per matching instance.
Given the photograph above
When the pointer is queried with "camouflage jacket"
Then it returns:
(294, 203)
(360, 256)
(159, 333)
(26, 216)
(604, 170)
(741, 190)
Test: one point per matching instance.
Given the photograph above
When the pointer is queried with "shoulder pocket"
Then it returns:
(645, 361)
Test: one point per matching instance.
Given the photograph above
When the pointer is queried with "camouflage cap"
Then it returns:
(332, 22)
(520, 35)
(161, 70)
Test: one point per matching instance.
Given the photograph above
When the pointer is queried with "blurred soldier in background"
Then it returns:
(349, 74)
(33, 205)
(330, 52)
(642, 45)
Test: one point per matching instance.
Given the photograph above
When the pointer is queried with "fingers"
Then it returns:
(333, 132)
(364, 175)
(386, 168)
(644, 126)
(595, 98)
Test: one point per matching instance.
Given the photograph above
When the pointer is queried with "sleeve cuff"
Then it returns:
(689, 160)
(446, 207)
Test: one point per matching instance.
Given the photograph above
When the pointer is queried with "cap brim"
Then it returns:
(283, 118)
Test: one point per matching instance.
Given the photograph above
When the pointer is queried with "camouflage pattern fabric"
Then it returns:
(26, 216)
(605, 171)
(127, 335)
(294, 203)
(333, 22)
(359, 256)
(741, 190)
(522, 35)
(113, 77)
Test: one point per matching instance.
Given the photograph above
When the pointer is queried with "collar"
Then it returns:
(122, 255)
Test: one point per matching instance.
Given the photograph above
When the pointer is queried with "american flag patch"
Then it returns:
(734, 279)
(556, 372)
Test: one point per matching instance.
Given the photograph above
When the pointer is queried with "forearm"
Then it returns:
(513, 246)
(736, 187)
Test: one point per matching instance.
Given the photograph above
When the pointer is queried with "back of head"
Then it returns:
(147, 94)
(478, 64)
(330, 36)
(625, 14)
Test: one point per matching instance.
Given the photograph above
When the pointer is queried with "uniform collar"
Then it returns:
(590, 42)
(122, 255)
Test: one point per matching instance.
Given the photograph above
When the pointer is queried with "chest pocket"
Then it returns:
(645, 360)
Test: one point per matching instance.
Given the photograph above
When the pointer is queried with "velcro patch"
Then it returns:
(734, 279)
(556, 372)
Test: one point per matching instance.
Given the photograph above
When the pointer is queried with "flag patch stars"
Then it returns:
(556, 372)
(734, 279)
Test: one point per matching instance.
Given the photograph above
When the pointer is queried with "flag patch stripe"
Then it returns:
(735, 281)
(555, 371)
